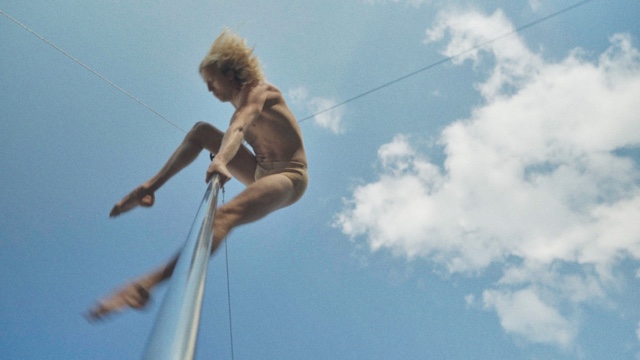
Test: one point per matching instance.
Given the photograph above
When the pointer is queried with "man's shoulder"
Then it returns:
(262, 95)
(268, 93)
(252, 94)
(266, 89)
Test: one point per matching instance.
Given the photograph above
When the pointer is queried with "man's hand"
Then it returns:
(216, 167)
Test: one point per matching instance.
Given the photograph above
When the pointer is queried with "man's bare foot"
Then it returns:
(140, 196)
(133, 295)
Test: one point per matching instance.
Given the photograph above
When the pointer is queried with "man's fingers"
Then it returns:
(223, 178)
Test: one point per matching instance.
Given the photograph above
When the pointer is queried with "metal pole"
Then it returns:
(176, 329)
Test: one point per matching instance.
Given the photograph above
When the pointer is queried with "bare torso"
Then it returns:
(275, 135)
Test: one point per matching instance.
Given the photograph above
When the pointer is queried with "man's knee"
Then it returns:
(200, 127)
(202, 130)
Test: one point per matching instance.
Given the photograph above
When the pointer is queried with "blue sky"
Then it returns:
(485, 208)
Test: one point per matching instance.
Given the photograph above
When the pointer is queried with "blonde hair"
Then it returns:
(230, 52)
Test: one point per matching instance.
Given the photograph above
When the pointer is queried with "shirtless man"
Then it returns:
(275, 177)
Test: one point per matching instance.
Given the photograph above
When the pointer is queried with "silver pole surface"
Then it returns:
(176, 329)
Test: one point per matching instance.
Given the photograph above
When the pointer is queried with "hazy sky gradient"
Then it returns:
(485, 208)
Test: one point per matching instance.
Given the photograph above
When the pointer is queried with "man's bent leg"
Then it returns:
(259, 199)
(243, 164)
(186, 152)
(201, 136)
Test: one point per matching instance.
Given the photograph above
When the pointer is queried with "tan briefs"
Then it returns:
(295, 171)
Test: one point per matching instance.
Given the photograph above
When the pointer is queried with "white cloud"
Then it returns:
(532, 180)
(525, 314)
(299, 94)
(331, 120)
(472, 33)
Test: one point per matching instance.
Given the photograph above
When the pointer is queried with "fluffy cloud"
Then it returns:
(540, 322)
(535, 180)
(331, 120)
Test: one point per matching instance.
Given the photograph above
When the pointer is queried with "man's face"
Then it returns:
(218, 83)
